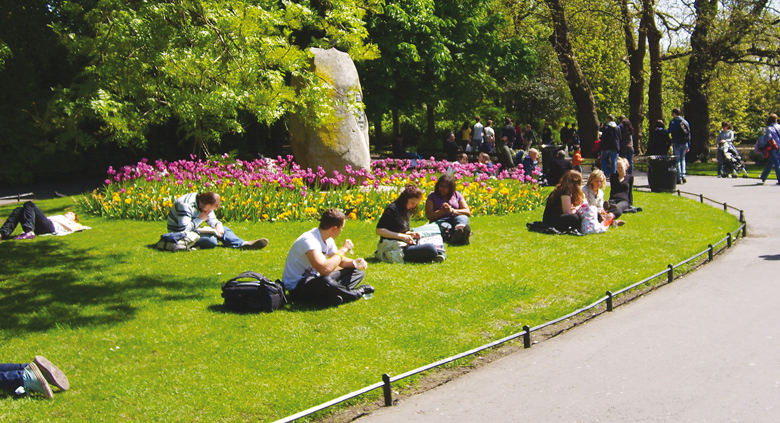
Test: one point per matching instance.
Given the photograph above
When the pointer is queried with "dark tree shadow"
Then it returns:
(55, 294)
(771, 257)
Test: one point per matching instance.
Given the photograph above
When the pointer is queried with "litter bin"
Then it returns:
(662, 173)
(548, 155)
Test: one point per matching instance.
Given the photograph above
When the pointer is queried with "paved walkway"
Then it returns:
(703, 349)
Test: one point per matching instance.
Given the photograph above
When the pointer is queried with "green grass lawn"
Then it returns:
(143, 337)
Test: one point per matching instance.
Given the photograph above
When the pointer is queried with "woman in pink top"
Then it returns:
(448, 209)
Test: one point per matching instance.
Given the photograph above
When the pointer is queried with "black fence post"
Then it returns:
(744, 229)
(742, 216)
(725, 207)
(609, 301)
(670, 274)
(526, 337)
(701, 198)
(728, 239)
(709, 252)
(678, 193)
(388, 389)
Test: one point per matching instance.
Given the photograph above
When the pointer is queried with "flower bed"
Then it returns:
(279, 189)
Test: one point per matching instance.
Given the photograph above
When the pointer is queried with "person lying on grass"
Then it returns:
(25, 378)
(190, 210)
(34, 222)
(448, 209)
(317, 271)
(394, 226)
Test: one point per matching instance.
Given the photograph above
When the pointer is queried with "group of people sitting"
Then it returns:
(571, 207)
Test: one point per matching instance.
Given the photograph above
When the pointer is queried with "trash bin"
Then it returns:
(662, 173)
(548, 155)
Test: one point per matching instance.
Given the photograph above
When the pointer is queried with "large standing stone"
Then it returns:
(344, 142)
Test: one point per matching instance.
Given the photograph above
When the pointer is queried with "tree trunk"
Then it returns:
(636, 65)
(396, 124)
(431, 127)
(378, 133)
(697, 78)
(587, 118)
(655, 99)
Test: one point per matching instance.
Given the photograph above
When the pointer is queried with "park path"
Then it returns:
(703, 349)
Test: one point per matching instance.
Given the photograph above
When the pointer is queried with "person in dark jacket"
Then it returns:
(558, 167)
(508, 131)
(627, 142)
(659, 142)
(609, 146)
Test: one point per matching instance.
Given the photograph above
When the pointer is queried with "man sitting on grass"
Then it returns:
(190, 210)
(317, 271)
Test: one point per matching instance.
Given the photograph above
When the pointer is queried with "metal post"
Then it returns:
(744, 229)
(609, 301)
(742, 216)
(670, 274)
(725, 207)
(388, 389)
(527, 337)
(709, 253)
(728, 239)
(678, 193)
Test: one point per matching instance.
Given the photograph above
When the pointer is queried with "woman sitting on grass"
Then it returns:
(448, 209)
(34, 222)
(394, 226)
(595, 196)
(621, 190)
(561, 209)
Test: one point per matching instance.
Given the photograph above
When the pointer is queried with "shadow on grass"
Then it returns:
(55, 294)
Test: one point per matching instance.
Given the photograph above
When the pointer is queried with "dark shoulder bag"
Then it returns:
(253, 292)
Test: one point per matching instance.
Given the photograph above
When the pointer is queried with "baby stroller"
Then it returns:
(732, 162)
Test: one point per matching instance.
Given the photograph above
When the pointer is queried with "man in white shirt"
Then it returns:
(317, 271)
(476, 135)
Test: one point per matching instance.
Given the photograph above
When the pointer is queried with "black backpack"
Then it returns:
(259, 294)
(685, 131)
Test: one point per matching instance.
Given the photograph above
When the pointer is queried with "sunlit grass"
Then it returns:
(142, 334)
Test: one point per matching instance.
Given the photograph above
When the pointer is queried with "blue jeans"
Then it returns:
(30, 217)
(609, 162)
(446, 224)
(11, 376)
(774, 162)
(628, 154)
(229, 240)
(421, 253)
(680, 150)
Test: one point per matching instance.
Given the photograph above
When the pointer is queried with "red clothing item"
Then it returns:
(576, 159)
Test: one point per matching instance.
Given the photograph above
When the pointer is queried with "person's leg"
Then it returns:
(618, 208)
(568, 222)
(774, 159)
(445, 226)
(425, 253)
(207, 242)
(11, 376)
(461, 231)
(613, 161)
(629, 154)
(230, 240)
(676, 150)
(41, 224)
(349, 277)
(721, 159)
(325, 290)
(10, 224)
(605, 163)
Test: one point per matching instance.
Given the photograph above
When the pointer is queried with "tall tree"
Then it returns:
(636, 48)
(587, 117)
(720, 36)
(654, 87)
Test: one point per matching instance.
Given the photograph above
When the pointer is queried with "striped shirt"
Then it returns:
(183, 215)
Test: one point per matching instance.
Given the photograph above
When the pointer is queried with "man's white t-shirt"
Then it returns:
(477, 133)
(297, 263)
(490, 134)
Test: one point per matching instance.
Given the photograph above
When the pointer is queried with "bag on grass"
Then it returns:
(251, 291)
(177, 241)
